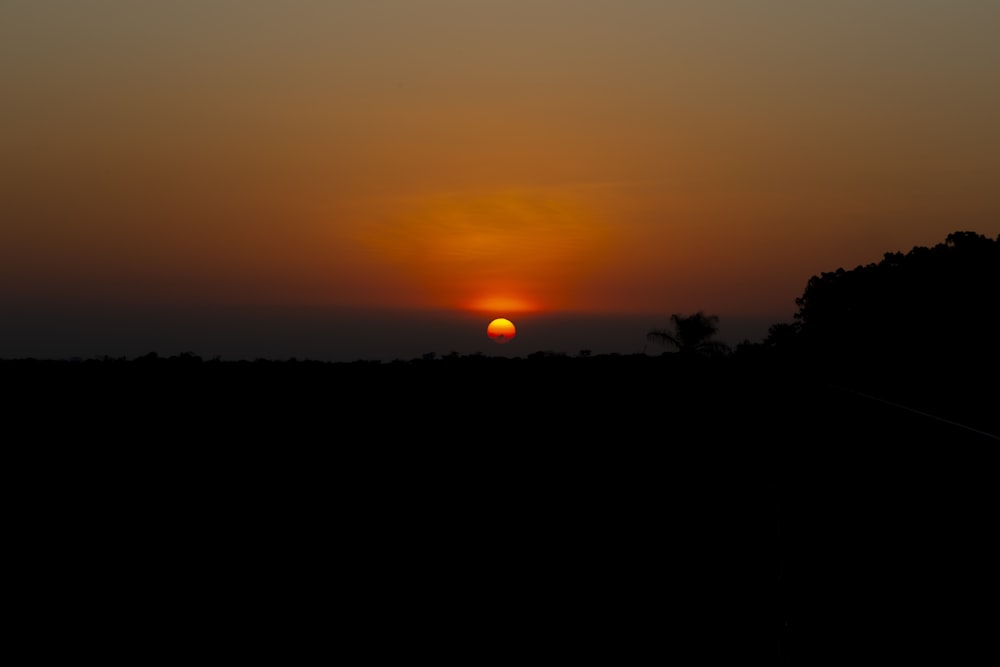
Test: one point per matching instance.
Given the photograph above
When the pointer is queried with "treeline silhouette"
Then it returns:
(919, 328)
(934, 305)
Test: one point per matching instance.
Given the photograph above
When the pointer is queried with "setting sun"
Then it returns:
(501, 330)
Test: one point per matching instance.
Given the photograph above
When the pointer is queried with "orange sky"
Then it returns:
(591, 156)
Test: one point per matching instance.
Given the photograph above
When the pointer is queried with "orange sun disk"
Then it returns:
(501, 330)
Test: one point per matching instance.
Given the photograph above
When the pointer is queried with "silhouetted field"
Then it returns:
(543, 398)
(725, 507)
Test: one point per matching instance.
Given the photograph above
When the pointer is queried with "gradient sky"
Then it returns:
(523, 157)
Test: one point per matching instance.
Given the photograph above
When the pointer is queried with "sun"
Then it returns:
(501, 330)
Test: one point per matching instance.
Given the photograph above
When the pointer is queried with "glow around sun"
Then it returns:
(501, 330)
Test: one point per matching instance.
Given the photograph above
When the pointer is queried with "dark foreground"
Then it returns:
(621, 510)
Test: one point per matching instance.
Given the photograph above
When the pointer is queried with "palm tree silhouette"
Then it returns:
(691, 335)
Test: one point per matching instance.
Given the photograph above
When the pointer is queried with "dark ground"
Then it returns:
(615, 509)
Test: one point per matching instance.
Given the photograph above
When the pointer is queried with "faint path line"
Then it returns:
(915, 411)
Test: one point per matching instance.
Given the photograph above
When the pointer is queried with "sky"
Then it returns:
(378, 179)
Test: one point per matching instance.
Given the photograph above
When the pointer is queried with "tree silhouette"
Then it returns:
(692, 335)
(935, 303)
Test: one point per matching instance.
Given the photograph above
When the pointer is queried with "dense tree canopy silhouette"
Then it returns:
(692, 335)
(931, 303)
